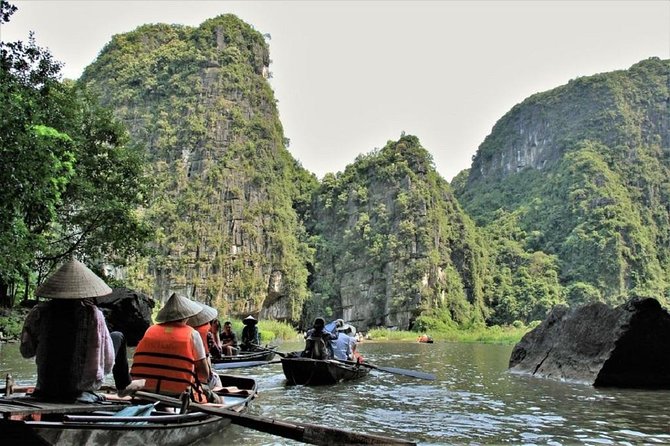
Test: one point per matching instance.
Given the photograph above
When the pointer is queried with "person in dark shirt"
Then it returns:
(317, 341)
(250, 336)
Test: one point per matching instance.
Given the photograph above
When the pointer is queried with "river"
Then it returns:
(474, 401)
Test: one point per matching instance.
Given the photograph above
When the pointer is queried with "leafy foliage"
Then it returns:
(392, 240)
(72, 180)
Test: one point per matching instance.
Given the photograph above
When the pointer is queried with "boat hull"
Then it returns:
(264, 355)
(24, 421)
(314, 372)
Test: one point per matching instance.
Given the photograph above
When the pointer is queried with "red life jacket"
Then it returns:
(166, 360)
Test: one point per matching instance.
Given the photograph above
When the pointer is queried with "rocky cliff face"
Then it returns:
(393, 244)
(626, 108)
(198, 99)
(585, 168)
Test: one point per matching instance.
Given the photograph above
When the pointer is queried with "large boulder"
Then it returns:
(626, 346)
(127, 311)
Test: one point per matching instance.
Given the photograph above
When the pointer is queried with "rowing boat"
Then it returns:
(313, 372)
(266, 354)
(27, 421)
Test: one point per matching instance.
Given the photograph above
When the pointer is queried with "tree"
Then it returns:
(72, 183)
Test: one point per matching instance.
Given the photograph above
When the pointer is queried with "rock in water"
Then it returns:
(127, 311)
(626, 346)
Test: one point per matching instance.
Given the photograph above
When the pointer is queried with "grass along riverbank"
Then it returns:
(11, 322)
(489, 335)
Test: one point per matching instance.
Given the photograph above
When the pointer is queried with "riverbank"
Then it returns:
(488, 335)
(11, 322)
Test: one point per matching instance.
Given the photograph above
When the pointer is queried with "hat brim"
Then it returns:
(207, 314)
(178, 308)
(73, 280)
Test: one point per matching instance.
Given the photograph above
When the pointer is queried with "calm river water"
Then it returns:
(474, 401)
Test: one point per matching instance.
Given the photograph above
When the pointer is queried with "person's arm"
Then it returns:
(202, 370)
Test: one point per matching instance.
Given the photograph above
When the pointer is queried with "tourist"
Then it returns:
(202, 323)
(251, 339)
(171, 356)
(73, 347)
(228, 340)
(318, 341)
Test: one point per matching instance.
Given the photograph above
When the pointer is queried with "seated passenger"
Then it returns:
(228, 340)
(171, 356)
(73, 347)
(317, 341)
(201, 323)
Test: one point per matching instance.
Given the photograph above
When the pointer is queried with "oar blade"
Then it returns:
(241, 364)
(406, 372)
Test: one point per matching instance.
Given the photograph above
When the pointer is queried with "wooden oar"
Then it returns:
(306, 433)
(394, 370)
(241, 364)
(280, 354)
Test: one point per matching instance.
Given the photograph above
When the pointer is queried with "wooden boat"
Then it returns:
(26, 421)
(266, 354)
(313, 372)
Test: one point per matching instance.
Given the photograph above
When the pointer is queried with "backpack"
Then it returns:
(316, 348)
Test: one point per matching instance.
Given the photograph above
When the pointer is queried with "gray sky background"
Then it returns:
(351, 75)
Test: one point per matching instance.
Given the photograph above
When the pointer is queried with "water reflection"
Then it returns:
(473, 401)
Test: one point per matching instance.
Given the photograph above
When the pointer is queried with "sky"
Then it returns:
(349, 76)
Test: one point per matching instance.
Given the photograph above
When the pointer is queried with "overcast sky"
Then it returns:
(351, 75)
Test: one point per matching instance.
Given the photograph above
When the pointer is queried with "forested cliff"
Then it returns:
(583, 170)
(225, 185)
(567, 199)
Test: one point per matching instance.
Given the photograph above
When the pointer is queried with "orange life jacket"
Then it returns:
(166, 360)
(203, 330)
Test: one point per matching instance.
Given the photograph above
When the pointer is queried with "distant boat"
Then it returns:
(266, 354)
(314, 372)
(25, 420)
(425, 339)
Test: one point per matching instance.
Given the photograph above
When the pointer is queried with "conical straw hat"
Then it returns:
(249, 320)
(177, 308)
(207, 314)
(73, 280)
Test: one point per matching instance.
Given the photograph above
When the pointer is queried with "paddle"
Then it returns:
(241, 364)
(306, 433)
(280, 354)
(394, 370)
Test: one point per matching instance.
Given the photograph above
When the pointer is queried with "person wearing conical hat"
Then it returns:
(250, 336)
(68, 336)
(171, 356)
(202, 323)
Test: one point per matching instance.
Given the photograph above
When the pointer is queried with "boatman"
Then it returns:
(250, 336)
(171, 356)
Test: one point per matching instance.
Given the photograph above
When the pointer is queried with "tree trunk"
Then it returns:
(6, 300)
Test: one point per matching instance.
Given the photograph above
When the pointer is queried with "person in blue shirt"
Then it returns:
(341, 347)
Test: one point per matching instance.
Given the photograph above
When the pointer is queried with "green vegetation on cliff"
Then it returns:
(393, 245)
(588, 182)
(226, 228)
